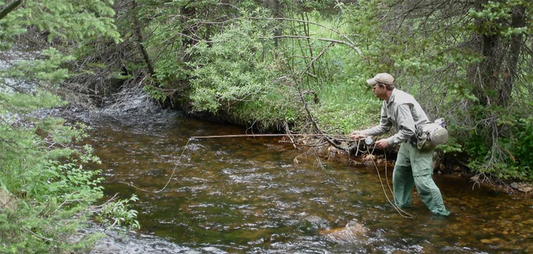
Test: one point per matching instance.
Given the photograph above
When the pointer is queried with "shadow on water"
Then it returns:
(248, 195)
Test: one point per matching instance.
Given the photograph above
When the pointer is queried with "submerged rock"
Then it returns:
(353, 232)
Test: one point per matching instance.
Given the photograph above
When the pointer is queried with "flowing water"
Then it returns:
(260, 195)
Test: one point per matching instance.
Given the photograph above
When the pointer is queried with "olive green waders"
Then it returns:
(414, 168)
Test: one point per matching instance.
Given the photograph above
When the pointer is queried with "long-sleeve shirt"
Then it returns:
(401, 111)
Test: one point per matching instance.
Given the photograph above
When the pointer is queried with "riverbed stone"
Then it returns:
(352, 232)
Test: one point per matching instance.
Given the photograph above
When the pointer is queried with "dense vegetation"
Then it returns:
(270, 65)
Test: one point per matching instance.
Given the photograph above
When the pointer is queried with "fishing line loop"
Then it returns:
(400, 211)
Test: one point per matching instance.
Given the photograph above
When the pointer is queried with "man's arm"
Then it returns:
(384, 124)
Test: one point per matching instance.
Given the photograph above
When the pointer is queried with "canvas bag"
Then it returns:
(430, 135)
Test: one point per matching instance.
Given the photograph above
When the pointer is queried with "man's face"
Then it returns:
(379, 90)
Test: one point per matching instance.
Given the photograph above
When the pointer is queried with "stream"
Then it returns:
(261, 195)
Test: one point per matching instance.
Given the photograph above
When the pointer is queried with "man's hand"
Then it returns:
(382, 143)
(357, 135)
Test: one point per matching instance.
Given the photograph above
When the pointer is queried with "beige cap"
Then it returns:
(384, 78)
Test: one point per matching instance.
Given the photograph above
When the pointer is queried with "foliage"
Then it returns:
(227, 71)
(119, 213)
(46, 195)
(523, 143)
(232, 64)
(518, 148)
(49, 197)
(51, 35)
(345, 111)
(236, 71)
(50, 194)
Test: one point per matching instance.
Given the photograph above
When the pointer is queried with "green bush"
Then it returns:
(46, 193)
(232, 69)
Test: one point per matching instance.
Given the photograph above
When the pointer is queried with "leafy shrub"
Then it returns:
(50, 194)
(230, 70)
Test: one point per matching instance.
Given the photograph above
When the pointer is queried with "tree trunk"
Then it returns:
(516, 47)
(139, 38)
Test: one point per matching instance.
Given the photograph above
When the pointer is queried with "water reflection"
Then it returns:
(249, 195)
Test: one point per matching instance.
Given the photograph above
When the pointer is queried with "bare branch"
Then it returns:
(321, 39)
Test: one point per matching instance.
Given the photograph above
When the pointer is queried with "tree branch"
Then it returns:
(9, 8)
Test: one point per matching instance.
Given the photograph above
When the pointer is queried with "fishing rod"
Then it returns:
(263, 135)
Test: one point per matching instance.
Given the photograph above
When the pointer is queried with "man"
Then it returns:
(413, 166)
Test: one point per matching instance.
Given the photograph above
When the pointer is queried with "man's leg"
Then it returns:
(402, 185)
(402, 178)
(430, 194)
(422, 162)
